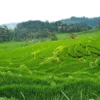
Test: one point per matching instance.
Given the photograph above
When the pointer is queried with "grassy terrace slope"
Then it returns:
(41, 71)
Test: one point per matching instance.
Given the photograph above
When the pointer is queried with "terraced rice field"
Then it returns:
(48, 70)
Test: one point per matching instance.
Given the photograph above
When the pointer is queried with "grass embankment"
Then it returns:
(41, 71)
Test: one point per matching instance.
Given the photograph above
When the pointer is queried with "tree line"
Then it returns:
(89, 21)
(39, 29)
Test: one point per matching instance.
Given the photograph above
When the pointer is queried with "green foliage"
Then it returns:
(39, 29)
(32, 30)
(41, 71)
(89, 21)
(53, 36)
(8, 99)
(5, 34)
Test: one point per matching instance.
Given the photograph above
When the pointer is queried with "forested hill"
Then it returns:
(38, 29)
(89, 21)
(92, 22)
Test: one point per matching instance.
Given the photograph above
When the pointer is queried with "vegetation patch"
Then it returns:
(65, 69)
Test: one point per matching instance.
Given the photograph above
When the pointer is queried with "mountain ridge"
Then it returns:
(72, 20)
(85, 20)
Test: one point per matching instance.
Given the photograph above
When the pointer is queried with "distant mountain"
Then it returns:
(89, 21)
(10, 25)
(73, 20)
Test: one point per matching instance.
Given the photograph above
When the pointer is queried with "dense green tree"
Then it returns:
(53, 36)
(5, 34)
(98, 26)
(38, 29)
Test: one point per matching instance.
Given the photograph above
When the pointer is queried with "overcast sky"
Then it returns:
(51, 10)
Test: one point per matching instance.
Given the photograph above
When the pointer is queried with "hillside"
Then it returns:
(92, 22)
(49, 70)
(89, 21)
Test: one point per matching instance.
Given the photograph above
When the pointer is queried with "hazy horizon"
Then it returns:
(14, 11)
(47, 20)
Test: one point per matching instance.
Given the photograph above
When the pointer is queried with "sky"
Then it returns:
(51, 10)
